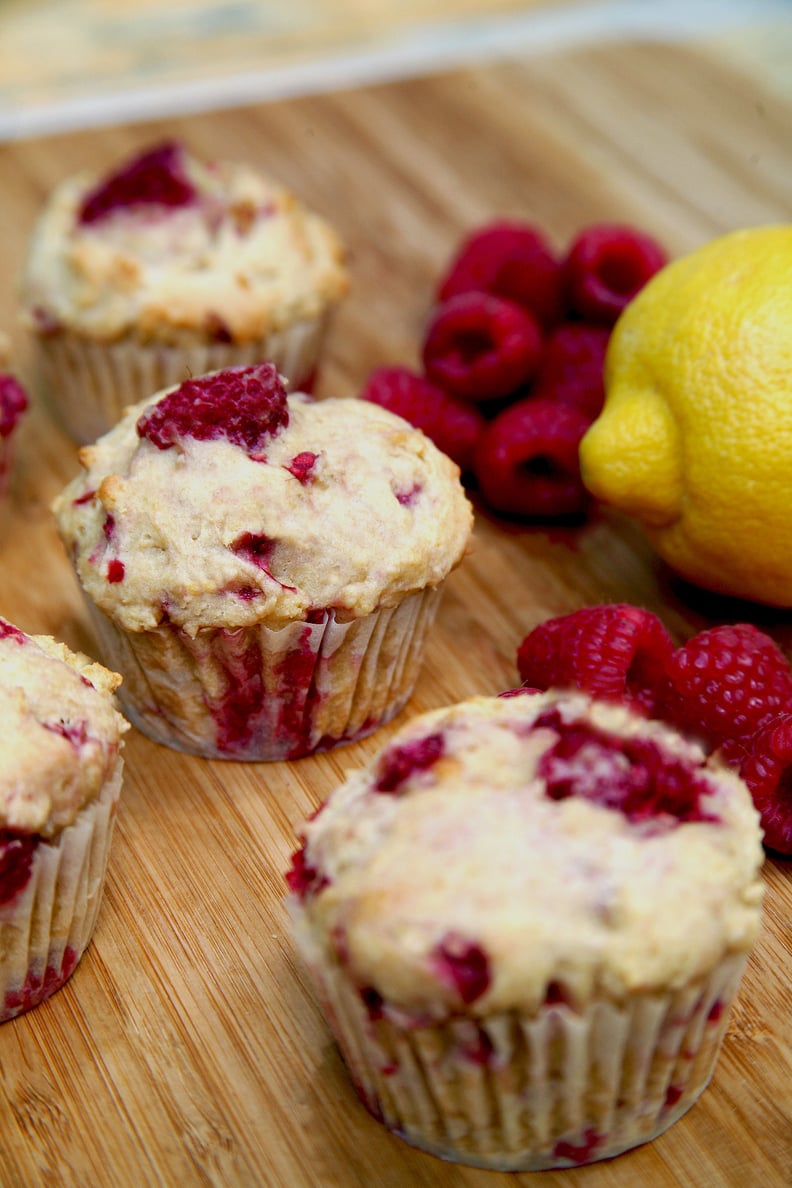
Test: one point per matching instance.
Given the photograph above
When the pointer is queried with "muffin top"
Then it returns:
(224, 502)
(506, 852)
(168, 248)
(61, 732)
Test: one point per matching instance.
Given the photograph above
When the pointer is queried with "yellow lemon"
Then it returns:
(695, 437)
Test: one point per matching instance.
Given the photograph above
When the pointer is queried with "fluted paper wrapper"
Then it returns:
(91, 383)
(554, 1089)
(45, 930)
(259, 694)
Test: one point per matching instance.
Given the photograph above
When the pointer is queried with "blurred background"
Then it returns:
(68, 64)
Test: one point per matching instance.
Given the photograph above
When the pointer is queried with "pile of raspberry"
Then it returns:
(512, 359)
(730, 687)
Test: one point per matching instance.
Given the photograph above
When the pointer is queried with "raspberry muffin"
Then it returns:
(13, 402)
(262, 569)
(167, 268)
(526, 920)
(60, 776)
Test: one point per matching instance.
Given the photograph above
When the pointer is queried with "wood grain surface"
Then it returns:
(187, 1049)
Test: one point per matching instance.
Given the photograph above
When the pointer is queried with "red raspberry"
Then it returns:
(526, 461)
(154, 178)
(481, 347)
(571, 367)
(726, 683)
(244, 405)
(605, 267)
(13, 403)
(768, 773)
(511, 260)
(617, 652)
(453, 425)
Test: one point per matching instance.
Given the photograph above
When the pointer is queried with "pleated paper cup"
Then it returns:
(259, 694)
(46, 928)
(529, 1092)
(91, 383)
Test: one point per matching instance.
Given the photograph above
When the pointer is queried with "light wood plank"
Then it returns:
(187, 1048)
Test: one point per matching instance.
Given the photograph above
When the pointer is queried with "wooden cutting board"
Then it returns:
(187, 1048)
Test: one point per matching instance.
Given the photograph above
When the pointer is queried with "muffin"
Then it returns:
(60, 776)
(168, 268)
(262, 568)
(526, 920)
(13, 402)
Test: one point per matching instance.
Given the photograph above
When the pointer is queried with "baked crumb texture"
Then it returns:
(526, 920)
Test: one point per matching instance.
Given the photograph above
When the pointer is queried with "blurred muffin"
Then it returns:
(526, 920)
(167, 268)
(60, 776)
(13, 402)
(262, 569)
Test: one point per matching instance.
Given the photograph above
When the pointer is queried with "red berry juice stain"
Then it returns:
(463, 965)
(297, 694)
(9, 631)
(409, 497)
(302, 878)
(579, 1152)
(16, 860)
(673, 1094)
(36, 988)
(86, 497)
(235, 713)
(74, 732)
(399, 762)
(651, 786)
(302, 466)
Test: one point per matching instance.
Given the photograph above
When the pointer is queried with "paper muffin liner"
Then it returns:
(260, 694)
(46, 928)
(91, 383)
(515, 1092)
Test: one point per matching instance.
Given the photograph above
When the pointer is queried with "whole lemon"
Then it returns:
(695, 437)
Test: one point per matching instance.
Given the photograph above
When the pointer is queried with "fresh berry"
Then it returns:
(397, 763)
(616, 652)
(605, 267)
(512, 260)
(464, 966)
(155, 178)
(453, 425)
(16, 859)
(480, 347)
(633, 776)
(115, 571)
(571, 367)
(13, 403)
(726, 683)
(244, 405)
(526, 460)
(768, 773)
